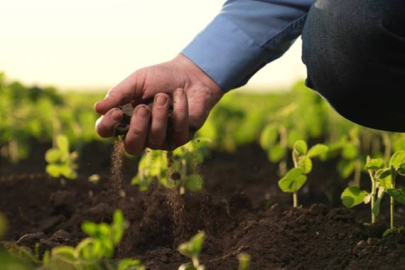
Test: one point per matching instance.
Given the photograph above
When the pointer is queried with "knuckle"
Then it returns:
(137, 132)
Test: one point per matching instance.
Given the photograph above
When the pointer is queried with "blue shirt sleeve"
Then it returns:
(245, 36)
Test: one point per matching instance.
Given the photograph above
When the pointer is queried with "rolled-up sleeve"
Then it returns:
(245, 36)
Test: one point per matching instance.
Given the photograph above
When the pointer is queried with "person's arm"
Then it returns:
(242, 38)
(245, 36)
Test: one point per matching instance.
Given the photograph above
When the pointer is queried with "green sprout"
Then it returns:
(91, 252)
(192, 250)
(185, 160)
(296, 177)
(153, 165)
(383, 179)
(60, 161)
(351, 162)
(353, 195)
(244, 261)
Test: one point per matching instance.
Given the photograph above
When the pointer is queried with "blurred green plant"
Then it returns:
(244, 261)
(61, 162)
(154, 166)
(192, 250)
(93, 253)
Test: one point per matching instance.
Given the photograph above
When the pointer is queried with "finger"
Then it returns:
(121, 94)
(135, 139)
(180, 118)
(106, 123)
(158, 129)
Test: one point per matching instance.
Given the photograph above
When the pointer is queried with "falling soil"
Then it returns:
(241, 210)
(116, 191)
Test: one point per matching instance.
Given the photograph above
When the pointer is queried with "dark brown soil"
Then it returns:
(241, 210)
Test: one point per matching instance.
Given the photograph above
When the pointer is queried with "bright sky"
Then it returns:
(95, 43)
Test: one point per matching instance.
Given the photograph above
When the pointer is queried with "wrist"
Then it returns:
(193, 75)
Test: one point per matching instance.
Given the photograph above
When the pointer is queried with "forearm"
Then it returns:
(244, 37)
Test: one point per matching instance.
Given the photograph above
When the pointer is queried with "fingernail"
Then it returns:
(141, 111)
(179, 93)
(117, 115)
(161, 100)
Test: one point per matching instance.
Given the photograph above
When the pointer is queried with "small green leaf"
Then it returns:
(130, 264)
(52, 155)
(388, 232)
(90, 228)
(305, 164)
(301, 147)
(397, 159)
(63, 143)
(318, 150)
(194, 182)
(64, 253)
(401, 169)
(54, 170)
(268, 136)
(367, 199)
(292, 181)
(397, 194)
(385, 182)
(383, 173)
(350, 151)
(353, 196)
(375, 164)
(345, 168)
(118, 218)
(193, 247)
(276, 153)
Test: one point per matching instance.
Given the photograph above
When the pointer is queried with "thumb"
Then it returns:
(121, 94)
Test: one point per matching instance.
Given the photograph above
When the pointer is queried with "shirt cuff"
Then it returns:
(225, 53)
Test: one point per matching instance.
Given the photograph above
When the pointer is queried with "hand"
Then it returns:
(194, 95)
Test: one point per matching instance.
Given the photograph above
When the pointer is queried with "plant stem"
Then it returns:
(373, 191)
(392, 202)
(295, 199)
(357, 172)
(195, 261)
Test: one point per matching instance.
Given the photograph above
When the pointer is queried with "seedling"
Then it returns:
(296, 177)
(60, 161)
(353, 196)
(244, 261)
(192, 250)
(185, 160)
(153, 165)
(351, 162)
(91, 252)
(383, 181)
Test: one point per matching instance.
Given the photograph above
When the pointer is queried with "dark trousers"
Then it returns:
(354, 51)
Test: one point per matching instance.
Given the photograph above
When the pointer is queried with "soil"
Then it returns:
(241, 210)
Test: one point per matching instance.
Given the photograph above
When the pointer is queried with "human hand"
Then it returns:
(194, 95)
